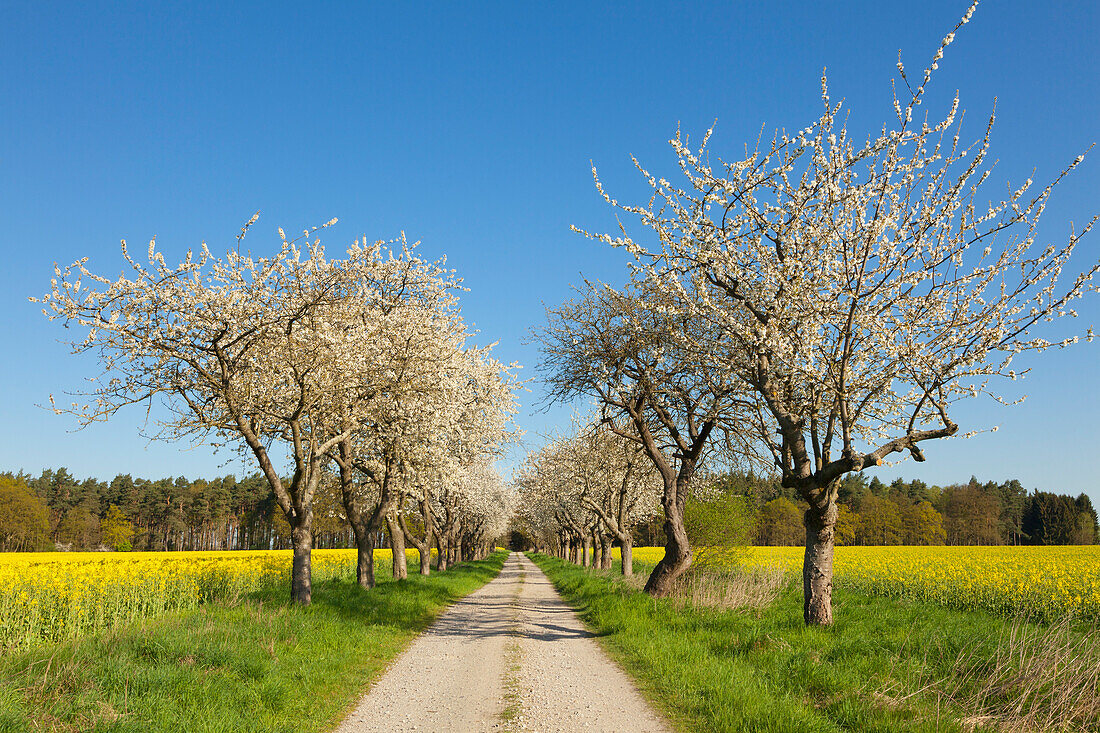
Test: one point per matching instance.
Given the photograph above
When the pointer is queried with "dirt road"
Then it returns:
(509, 657)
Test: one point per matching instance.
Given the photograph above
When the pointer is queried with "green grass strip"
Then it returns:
(763, 670)
(262, 665)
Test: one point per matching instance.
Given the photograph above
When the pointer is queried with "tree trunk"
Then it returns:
(605, 552)
(363, 533)
(628, 556)
(677, 557)
(397, 543)
(425, 551)
(597, 553)
(301, 588)
(423, 546)
(441, 552)
(817, 567)
(365, 524)
(364, 565)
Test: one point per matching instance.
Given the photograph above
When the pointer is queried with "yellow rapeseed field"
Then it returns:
(46, 596)
(1040, 582)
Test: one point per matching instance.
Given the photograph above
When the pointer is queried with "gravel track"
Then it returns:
(511, 656)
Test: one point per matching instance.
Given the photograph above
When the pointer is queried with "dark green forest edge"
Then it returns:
(264, 665)
(760, 511)
(55, 510)
(884, 665)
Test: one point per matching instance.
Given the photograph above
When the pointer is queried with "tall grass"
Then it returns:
(730, 589)
(887, 664)
(1026, 677)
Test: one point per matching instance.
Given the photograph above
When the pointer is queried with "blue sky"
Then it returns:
(471, 127)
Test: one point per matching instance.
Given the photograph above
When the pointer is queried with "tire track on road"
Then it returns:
(511, 656)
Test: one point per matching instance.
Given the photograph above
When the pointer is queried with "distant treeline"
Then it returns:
(56, 509)
(899, 513)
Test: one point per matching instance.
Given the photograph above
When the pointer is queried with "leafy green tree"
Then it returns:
(1087, 526)
(89, 494)
(880, 522)
(922, 525)
(878, 488)
(970, 515)
(57, 488)
(720, 529)
(915, 491)
(78, 528)
(120, 491)
(851, 489)
(781, 523)
(848, 525)
(1050, 519)
(1014, 500)
(24, 521)
(116, 530)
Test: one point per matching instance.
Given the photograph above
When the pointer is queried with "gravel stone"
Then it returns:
(453, 677)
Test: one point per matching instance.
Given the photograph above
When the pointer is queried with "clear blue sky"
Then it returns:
(471, 127)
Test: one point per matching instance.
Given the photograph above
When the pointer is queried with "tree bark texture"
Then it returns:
(301, 588)
(397, 542)
(441, 552)
(364, 561)
(817, 567)
(677, 557)
(628, 556)
(423, 546)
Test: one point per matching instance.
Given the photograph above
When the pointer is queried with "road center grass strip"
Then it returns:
(885, 665)
(260, 665)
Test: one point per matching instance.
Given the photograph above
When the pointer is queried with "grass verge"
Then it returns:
(261, 665)
(885, 665)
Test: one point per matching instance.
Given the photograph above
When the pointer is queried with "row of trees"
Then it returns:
(356, 371)
(225, 513)
(25, 524)
(589, 490)
(584, 492)
(167, 514)
(177, 514)
(813, 308)
(902, 513)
